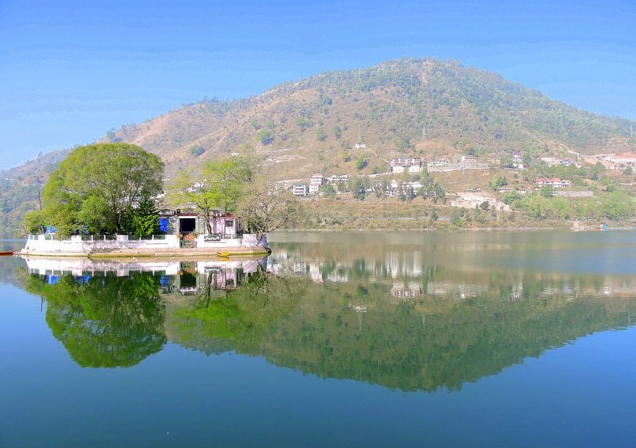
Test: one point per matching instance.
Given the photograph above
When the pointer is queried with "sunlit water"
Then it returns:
(338, 339)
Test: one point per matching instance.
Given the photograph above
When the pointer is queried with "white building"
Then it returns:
(334, 180)
(300, 190)
(315, 182)
(406, 165)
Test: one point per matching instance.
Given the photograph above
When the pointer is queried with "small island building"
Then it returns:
(178, 229)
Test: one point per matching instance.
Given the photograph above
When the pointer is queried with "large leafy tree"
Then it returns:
(101, 186)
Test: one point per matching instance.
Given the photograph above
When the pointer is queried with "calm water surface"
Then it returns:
(337, 339)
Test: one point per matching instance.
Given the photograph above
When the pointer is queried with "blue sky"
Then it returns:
(71, 70)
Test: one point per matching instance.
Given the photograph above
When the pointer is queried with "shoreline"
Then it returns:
(153, 253)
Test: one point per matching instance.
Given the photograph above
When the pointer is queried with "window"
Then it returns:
(229, 223)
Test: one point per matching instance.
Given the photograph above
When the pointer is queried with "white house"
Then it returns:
(300, 190)
(406, 165)
(315, 182)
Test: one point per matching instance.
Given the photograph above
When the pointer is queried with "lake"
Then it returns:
(503, 339)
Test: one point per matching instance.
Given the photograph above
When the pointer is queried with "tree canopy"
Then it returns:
(236, 184)
(219, 186)
(100, 187)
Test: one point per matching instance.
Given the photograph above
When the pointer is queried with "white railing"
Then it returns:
(91, 243)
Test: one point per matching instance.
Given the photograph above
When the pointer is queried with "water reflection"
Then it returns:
(402, 315)
(103, 320)
(109, 314)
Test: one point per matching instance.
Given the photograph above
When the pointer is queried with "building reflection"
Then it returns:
(410, 278)
(181, 277)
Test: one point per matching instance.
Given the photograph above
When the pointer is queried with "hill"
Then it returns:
(20, 188)
(432, 107)
(356, 121)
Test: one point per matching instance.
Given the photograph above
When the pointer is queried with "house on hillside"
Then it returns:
(335, 179)
(553, 182)
(300, 190)
(406, 165)
(395, 188)
(315, 182)
(437, 163)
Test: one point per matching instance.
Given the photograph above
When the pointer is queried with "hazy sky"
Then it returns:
(71, 70)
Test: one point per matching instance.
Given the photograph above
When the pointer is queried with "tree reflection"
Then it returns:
(104, 321)
(448, 330)
(241, 319)
(413, 329)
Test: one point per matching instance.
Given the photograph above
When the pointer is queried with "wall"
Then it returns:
(75, 244)
(248, 240)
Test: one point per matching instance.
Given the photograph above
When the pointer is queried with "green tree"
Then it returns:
(497, 182)
(98, 185)
(265, 136)
(617, 205)
(196, 151)
(34, 221)
(328, 190)
(547, 191)
(361, 162)
(456, 217)
(321, 136)
(303, 123)
(510, 197)
(359, 186)
(145, 219)
(220, 186)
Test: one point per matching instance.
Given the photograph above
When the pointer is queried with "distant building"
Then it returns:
(406, 165)
(394, 189)
(300, 190)
(334, 180)
(437, 163)
(554, 182)
(315, 182)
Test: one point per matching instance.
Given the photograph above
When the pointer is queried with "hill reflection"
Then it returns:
(390, 315)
